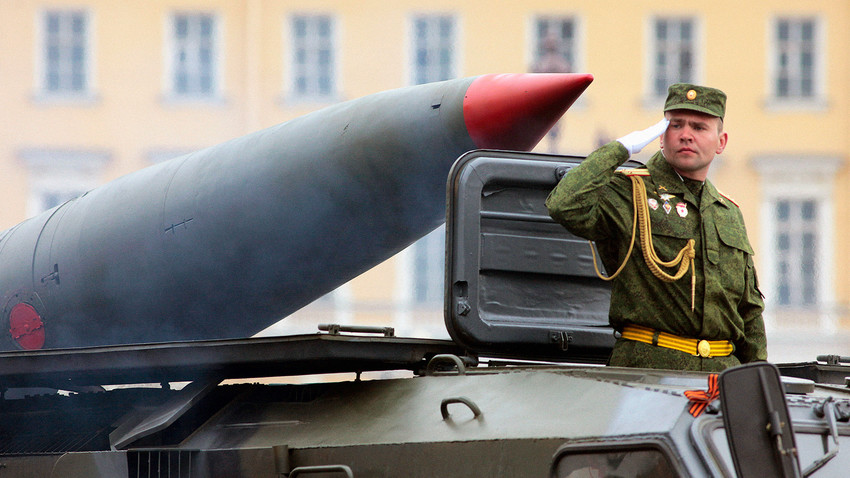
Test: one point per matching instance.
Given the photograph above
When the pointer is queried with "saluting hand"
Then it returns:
(637, 140)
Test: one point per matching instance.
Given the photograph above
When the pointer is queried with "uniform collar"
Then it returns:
(664, 176)
(709, 191)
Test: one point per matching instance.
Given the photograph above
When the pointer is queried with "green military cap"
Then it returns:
(684, 96)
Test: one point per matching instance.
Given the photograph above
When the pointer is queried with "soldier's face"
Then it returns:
(691, 142)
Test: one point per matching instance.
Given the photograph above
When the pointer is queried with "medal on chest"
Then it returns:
(666, 198)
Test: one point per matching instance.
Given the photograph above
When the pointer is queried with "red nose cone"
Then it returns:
(515, 111)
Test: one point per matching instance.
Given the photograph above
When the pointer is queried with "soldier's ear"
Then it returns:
(723, 138)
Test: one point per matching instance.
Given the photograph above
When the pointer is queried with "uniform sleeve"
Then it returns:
(578, 202)
(754, 347)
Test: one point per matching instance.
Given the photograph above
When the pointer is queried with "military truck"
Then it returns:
(520, 390)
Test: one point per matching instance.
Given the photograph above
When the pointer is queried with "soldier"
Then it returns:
(685, 293)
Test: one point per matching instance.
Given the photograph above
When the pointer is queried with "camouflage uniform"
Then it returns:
(595, 203)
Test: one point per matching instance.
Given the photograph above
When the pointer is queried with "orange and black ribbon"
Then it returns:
(700, 398)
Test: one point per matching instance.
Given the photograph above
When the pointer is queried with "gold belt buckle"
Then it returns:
(704, 348)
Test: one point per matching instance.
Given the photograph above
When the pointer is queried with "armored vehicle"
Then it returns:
(520, 390)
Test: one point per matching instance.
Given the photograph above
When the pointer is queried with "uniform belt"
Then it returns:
(697, 347)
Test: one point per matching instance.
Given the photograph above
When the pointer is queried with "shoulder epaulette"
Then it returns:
(727, 197)
(635, 172)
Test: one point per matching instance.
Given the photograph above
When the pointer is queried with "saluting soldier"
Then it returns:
(685, 293)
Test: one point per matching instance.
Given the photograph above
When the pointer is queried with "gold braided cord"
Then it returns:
(684, 259)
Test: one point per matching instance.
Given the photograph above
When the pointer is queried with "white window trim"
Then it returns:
(219, 57)
(403, 294)
(410, 48)
(155, 156)
(61, 171)
(579, 56)
(652, 101)
(578, 38)
(288, 36)
(41, 92)
(799, 178)
(405, 303)
(342, 299)
(818, 102)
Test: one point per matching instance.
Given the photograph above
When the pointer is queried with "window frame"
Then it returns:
(428, 279)
(86, 92)
(817, 100)
(574, 47)
(791, 288)
(411, 283)
(291, 43)
(653, 96)
(454, 43)
(66, 173)
(217, 57)
(789, 177)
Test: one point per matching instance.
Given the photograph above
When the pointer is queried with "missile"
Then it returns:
(223, 242)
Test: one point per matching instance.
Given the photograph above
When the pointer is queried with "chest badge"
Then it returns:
(652, 203)
(666, 198)
(682, 209)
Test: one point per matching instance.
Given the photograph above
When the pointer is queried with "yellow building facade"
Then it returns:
(93, 89)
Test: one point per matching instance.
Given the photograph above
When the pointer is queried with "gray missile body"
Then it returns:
(226, 241)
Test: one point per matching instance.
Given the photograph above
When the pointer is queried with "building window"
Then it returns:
(554, 43)
(313, 54)
(673, 54)
(194, 53)
(52, 197)
(796, 253)
(429, 256)
(67, 55)
(57, 176)
(434, 38)
(796, 67)
(155, 156)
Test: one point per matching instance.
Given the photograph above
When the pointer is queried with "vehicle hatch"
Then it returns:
(517, 283)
